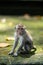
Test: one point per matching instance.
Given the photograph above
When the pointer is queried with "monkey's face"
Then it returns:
(20, 30)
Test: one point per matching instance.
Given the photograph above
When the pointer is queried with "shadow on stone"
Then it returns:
(3, 64)
(27, 54)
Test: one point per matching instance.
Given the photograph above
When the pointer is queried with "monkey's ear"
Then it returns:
(16, 27)
(24, 27)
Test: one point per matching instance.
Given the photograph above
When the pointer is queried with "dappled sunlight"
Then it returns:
(39, 49)
(4, 45)
(3, 26)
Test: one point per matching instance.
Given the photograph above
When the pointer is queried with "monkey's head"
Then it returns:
(20, 28)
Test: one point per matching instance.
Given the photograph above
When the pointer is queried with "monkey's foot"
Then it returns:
(15, 54)
(10, 53)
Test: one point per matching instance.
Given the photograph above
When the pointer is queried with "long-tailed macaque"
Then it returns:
(24, 38)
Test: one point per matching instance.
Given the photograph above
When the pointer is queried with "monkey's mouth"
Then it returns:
(21, 32)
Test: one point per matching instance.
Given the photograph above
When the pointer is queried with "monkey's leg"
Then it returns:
(29, 46)
(21, 43)
(14, 46)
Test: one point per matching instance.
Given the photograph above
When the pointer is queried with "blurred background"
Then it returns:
(31, 15)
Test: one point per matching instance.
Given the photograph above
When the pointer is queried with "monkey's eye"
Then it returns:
(20, 28)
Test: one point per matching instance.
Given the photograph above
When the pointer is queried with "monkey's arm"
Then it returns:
(29, 35)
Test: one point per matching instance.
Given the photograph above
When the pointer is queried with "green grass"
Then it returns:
(35, 27)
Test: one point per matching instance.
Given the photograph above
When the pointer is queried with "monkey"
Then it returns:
(24, 38)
